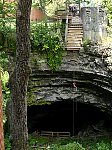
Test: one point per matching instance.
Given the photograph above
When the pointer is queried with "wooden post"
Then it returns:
(1, 119)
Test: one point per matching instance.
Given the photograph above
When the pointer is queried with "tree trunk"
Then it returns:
(19, 79)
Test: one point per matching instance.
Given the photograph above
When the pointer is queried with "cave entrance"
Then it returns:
(66, 116)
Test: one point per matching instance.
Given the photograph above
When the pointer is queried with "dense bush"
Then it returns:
(69, 146)
(46, 40)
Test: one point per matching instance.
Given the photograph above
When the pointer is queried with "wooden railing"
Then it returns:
(55, 134)
(66, 28)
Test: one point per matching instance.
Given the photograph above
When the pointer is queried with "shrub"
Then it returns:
(70, 146)
(86, 44)
(7, 143)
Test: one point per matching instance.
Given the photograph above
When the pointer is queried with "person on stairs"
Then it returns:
(73, 9)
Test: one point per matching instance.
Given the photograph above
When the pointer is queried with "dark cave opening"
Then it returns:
(66, 116)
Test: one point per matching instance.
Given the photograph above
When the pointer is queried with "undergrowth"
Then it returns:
(37, 143)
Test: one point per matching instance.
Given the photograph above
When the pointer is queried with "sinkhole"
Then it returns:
(66, 116)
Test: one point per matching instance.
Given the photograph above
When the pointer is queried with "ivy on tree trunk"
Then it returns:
(19, 78)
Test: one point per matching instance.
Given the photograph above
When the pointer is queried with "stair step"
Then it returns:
(72, 40)
(76, 49)
(73, 44)
(75, 25)
(75, 29)
(74, 37)
(73, 47)
(74, 34)
(78, 41)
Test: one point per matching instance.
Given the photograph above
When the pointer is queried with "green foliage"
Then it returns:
(86, 44)
(108, 5)
(7, 35)
(69, 146)
(32, 141)
(103, 146)
(7, 9)
(31, 100)
(100, 143)
(7, 143)
(5, 93)
(7, 26)
(3, 60)
(46, 41)
(41, 3)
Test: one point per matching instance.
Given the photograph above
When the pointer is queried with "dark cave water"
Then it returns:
(66, 116)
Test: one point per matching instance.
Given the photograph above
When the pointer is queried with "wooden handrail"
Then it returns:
(55, 134)
(66, 28)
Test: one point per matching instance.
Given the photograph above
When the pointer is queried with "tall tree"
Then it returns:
(19, 79)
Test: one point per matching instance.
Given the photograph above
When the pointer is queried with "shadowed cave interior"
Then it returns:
(67, 116)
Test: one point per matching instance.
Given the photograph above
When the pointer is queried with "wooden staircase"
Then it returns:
(74, 34)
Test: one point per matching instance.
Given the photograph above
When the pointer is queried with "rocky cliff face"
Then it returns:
(84, 76)
(81, 89)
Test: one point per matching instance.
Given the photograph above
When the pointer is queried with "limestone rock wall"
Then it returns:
(83, 76)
